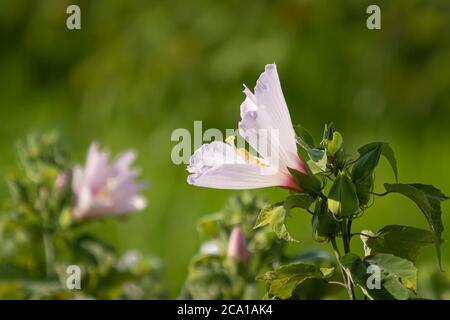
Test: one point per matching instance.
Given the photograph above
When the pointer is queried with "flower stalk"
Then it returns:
(346, 232)
(49, 249)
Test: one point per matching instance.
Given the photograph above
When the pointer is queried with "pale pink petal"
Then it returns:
(77, 178)
(236, 176)
(138, 203)
(124, 160)
(97, 169)
(124, 206)
(83, 201)
(218, 165)
(126, 187)
(213, 154)
(265, 111)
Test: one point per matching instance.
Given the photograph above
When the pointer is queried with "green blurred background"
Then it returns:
(137, 70)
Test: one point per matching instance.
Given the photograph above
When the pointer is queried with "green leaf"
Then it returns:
(369, 156)
(342, 198)
(319, 157)
(327, 272)
(315, 168)
(304, 138)
(404, 270)
(275, 216)
(428, 199)
(322, 163)
(283, 280)
(364, 167)
(349, 259)
(302, 200)
(396, 288)
(366, 163)
(431, 192)
(364, 187)
(398, 276)
(306, 141)
(401, 241)
(335, 144)
(308, 182)
(389, 154)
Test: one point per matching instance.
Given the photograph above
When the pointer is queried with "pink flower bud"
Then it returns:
(61, 181)
(237, 246)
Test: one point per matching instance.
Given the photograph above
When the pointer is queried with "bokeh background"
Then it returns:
(137, 70)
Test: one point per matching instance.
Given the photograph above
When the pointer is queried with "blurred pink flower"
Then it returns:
(104, 189)
(237, 246)
(266, 126)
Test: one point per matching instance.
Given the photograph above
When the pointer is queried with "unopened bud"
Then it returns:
(237, 246)
(61, 181)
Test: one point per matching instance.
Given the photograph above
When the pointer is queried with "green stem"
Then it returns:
(49, 249)
(346, 231)
(335, 248)
(345, 236)
(338, 258)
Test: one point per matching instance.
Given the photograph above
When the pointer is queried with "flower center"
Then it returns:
(245, 154)
(106, 190)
